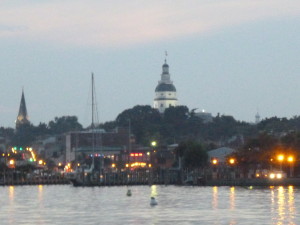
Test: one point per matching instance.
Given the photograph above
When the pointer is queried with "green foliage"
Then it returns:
(144, 122)
(64, 124)
(24, 135)
(7, 133)
(192, 153)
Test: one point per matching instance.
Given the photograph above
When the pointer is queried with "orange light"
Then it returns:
(11, 162)
(290, 159)
(40, 162)
(231, 161)
(214, 161)
(113, 165)
(127, 165)
(280, 157)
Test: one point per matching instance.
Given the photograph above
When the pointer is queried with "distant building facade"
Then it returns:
(165, 91)
(220, 154)
(205, 116)
(22, 117)
(97, 142)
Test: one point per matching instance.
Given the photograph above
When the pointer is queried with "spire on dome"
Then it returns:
(22, 117)
(166, 54)
(165, 68)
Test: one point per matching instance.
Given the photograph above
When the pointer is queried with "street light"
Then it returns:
(280, 159)
(232, 161)
(290, 159)
(153, 143)
(214, 161)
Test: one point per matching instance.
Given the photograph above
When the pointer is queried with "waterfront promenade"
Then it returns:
(159, 177)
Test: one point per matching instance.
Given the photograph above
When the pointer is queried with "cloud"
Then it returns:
(107, 23)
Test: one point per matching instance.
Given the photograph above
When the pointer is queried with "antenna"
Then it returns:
(166, 54)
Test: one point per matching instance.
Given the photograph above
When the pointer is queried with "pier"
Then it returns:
(14, 178)
(143, 177)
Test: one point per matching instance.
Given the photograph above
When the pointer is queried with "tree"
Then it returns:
(144, 122)
(192, 153)
(64, 124)
(24, 135)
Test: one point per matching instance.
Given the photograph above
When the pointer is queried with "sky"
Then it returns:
(233, 57)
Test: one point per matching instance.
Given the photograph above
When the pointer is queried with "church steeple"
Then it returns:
(22, 117)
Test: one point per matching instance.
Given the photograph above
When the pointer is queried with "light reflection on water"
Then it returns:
(64, 204)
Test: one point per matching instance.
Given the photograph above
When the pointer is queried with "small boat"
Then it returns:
(153, 201)
(128, 192)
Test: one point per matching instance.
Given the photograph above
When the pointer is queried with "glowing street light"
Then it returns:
(280, 157)
(290, 159)
(232, 161)
(11, 162)
(153, 143)
(214, 161)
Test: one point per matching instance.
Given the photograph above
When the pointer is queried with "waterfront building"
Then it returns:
(97, 143)
(165, 91)
(220, 154)
(22, 117)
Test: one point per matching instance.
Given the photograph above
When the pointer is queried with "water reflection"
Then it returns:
(232, 198)
(63, 204)
(281, 205)
(215, 198)
(11, 193)
(291, 203)
(40, 195)
(153, 190)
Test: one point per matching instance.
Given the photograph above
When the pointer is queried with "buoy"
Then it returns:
(129, 192)
(153, 201)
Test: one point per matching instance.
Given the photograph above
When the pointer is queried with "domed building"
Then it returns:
(165, 91)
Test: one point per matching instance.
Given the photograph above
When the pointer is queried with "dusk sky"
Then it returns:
(233, 57)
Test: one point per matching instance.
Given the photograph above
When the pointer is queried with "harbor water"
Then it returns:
(65, 204)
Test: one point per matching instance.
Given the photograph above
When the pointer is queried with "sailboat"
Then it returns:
(85, 176)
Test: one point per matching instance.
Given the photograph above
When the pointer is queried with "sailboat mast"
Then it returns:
(93, 104)
(92, 126)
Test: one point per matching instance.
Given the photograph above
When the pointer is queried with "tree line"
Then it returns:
(178, 125)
